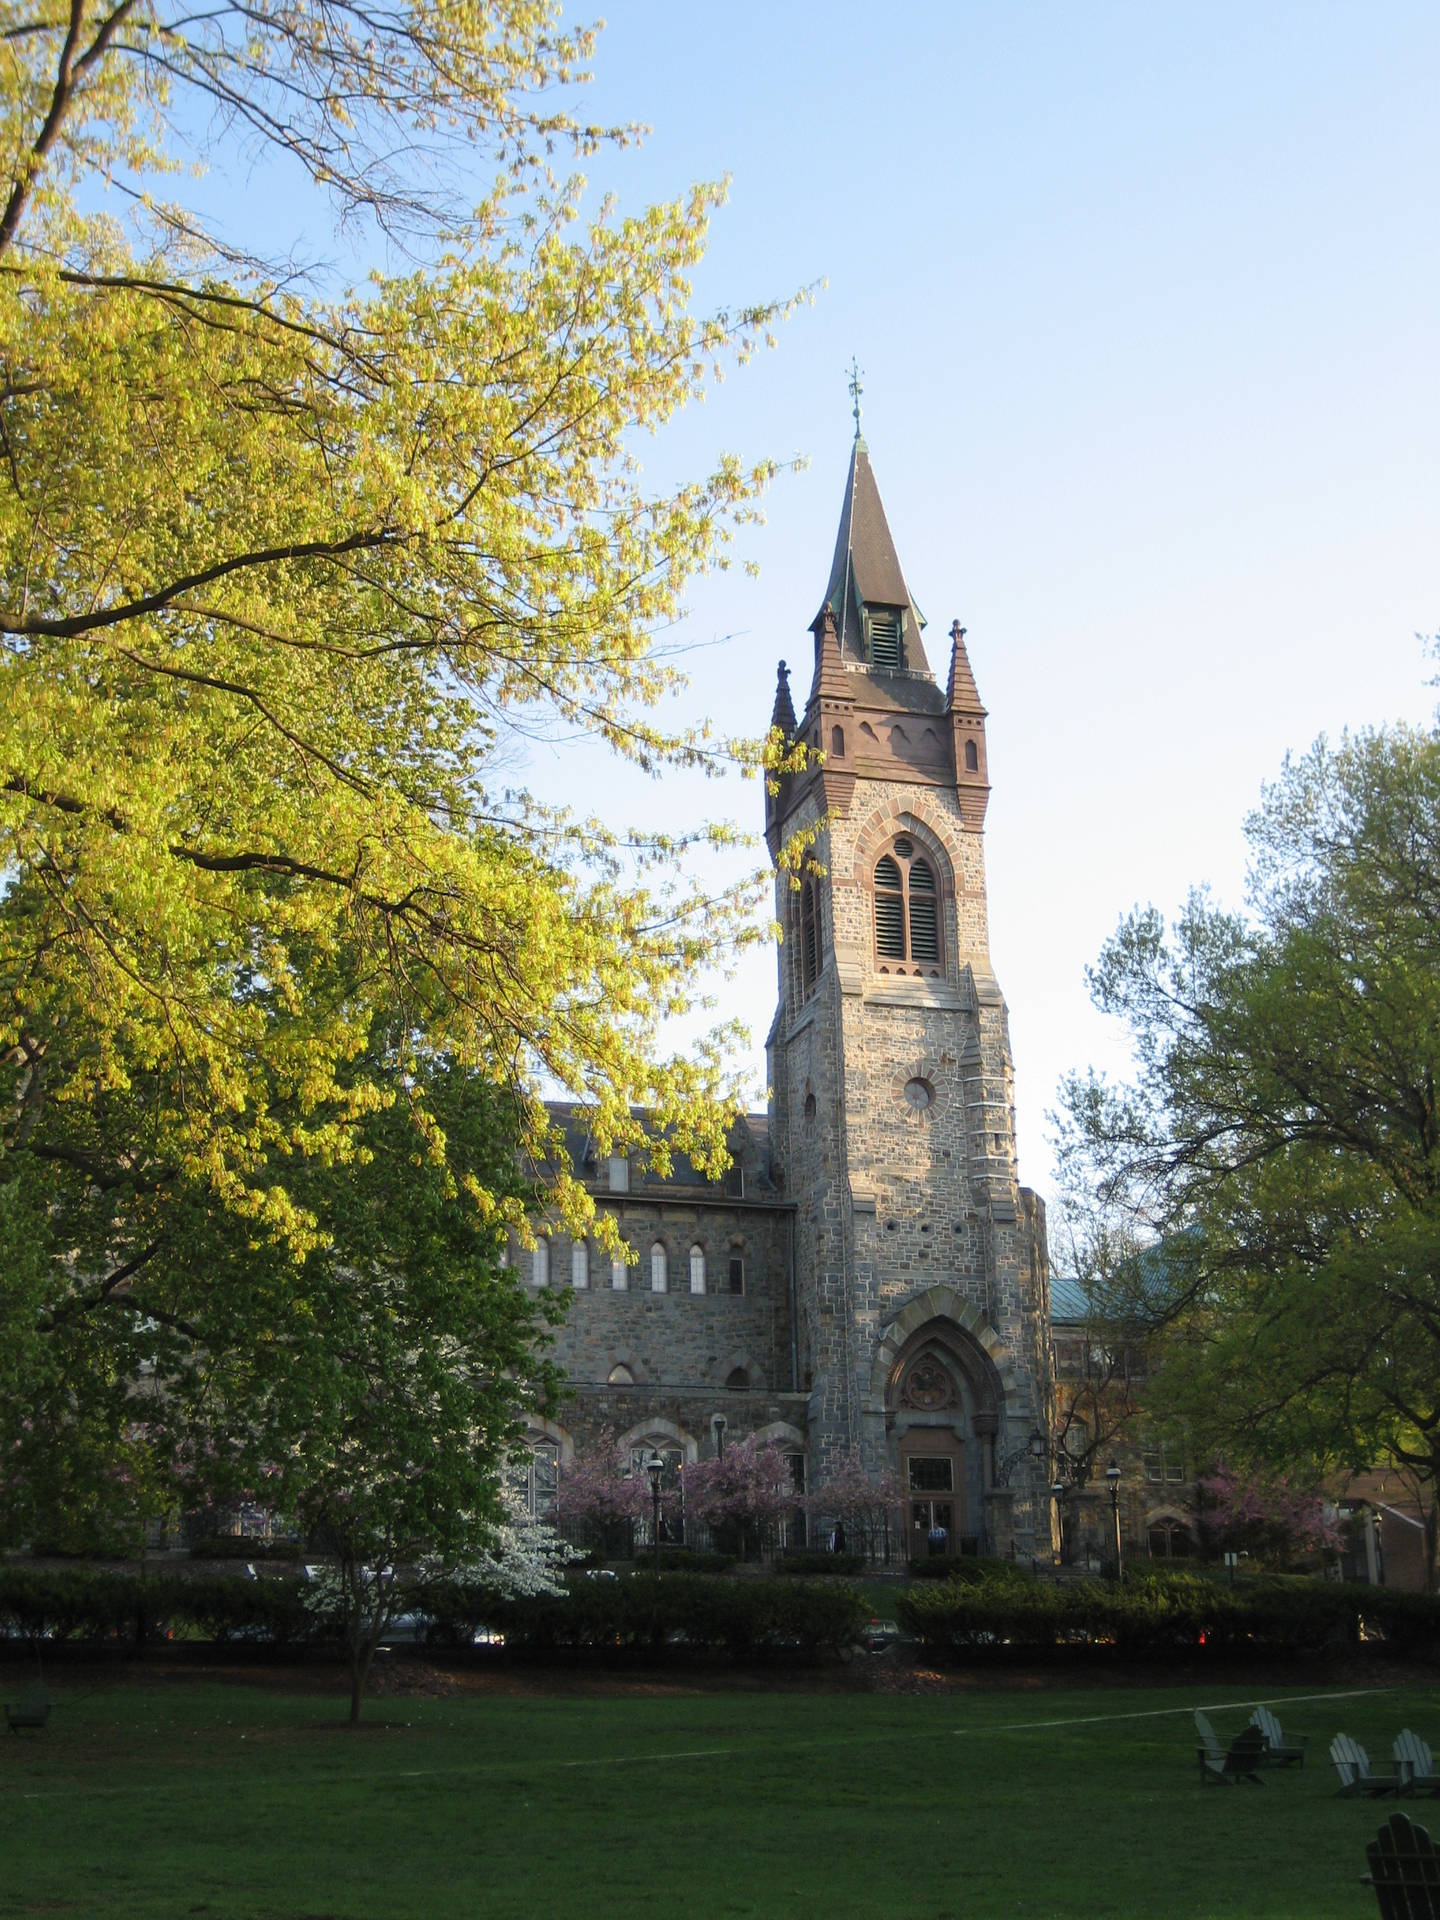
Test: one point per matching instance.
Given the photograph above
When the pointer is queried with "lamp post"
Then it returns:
(655, 1466)
(1112, 1480)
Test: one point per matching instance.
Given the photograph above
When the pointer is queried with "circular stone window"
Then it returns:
(904, 848)
(919, 1094)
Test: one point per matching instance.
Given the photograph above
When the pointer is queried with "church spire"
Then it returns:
(961, 695)
(829, 667)
(879, 623)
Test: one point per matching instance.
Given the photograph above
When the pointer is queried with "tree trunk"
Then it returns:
(359, 1673)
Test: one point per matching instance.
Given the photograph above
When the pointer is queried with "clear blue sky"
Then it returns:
(1147, 300)
(1146, 297)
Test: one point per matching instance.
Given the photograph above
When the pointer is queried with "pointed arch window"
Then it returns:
(540, 1263)
(697, 1269)
(972, 757)
(659, 1268)
(907, 908)
(579, 1265)
(809, 937)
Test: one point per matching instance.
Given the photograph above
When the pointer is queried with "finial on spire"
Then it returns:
(957, 633)
(783, 713)
(857, 387)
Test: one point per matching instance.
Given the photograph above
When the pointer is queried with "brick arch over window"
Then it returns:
(741, 1363)
(948, 1319)
(922, 822)
(658, 1433)
(537, 1430)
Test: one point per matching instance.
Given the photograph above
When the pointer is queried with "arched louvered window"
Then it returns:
(659, 1268)
(809, 937)
(907, 909)
(697, 1269)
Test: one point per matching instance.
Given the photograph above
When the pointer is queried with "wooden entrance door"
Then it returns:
(934, 1491)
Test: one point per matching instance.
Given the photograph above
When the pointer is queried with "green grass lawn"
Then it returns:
(168, 1798)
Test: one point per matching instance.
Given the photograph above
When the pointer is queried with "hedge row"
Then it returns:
(640, 1610)
(804, 1561)
(1157, 1615)
(79, 1603)
(652, 1610)
(967, 1567)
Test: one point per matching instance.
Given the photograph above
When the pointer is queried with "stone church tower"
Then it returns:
(921, 1281)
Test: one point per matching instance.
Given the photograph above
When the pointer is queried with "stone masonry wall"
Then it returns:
(891, 1199)
(680, 1347)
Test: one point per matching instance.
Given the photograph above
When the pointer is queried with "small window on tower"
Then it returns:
(737, 1273)
(972, 757)
(837, 742)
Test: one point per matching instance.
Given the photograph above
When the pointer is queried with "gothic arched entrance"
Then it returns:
(942, 1409)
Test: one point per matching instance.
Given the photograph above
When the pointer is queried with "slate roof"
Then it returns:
(749, 1143)
(866, 569)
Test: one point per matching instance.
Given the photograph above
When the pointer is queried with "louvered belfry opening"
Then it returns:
(883, 624)
(907, 908)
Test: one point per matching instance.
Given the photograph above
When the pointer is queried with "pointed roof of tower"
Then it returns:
(962, 695)
(829, 667)
(866, 568)
(782, 715)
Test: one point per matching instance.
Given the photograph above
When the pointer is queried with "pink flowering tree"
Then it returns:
(601, 1496)
(742, 1495)
(859, 1504)
(1271, 1520)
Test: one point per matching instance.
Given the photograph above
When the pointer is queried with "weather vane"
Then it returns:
(856, 389)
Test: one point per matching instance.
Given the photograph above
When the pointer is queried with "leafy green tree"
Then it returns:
(372, 1393)
(1281, 1139)
(281, 567)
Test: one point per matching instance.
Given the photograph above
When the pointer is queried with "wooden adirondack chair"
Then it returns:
(1352, 1763)
(1241, 1760)
(1416, 1763)
(32, 1709)
(1279, 1751)
(1404, 1871)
